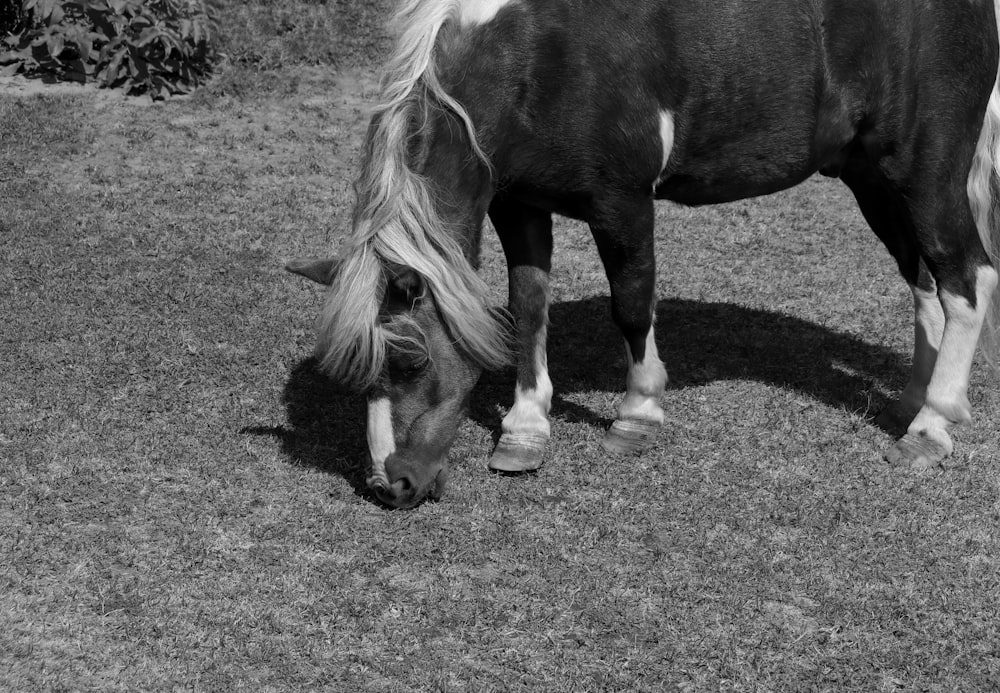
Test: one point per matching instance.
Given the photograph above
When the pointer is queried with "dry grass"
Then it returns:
(179, 490)
(269, 35)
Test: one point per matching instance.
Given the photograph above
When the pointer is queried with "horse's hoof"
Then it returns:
(630, 436)
(895, 418)
(522, 452)
(918, 452)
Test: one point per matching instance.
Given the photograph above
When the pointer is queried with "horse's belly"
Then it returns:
(760, 163)
(736, 183)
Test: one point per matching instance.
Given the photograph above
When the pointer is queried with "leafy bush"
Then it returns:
(11, 16)
(160, 47)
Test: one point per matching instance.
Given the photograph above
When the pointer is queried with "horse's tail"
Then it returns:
(984, 197)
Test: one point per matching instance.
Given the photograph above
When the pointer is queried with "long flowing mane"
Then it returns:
(395, 221)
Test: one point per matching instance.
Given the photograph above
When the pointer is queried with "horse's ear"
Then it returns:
(319, 270)
(405, 287)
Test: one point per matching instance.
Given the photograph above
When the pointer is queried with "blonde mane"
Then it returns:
(395, 221)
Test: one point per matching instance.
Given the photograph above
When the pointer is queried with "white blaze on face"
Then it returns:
(381, 440)
(479, 12)
(666, 142)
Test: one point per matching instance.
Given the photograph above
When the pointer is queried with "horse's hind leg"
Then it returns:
(623, 230)
(889, 217)
(966, 282)
(928, 328)
(935, 242)
(526, 235)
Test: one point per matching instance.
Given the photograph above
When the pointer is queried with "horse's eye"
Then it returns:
(407, 365)
(415, 367)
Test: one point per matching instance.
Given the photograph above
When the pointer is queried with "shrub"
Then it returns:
(159, 47)
(11, 16)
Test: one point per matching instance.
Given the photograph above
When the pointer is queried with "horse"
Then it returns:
(594, 109)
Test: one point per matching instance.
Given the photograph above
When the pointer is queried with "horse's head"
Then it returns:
(420, 392)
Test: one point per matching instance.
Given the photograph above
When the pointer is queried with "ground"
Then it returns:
(181, 493)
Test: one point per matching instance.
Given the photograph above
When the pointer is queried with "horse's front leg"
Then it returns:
(623, 230)
(526, 235)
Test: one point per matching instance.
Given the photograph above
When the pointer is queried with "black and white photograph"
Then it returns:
(499, 345)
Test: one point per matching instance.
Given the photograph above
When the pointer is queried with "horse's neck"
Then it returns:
(461, 182)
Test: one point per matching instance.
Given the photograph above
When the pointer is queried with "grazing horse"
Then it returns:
(593, 109)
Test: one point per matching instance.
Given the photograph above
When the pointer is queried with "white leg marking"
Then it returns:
(666, 142)
(529, 417)
(478, 12)
(947, 401)
(381, 440)
(928, 328)
(647, 379)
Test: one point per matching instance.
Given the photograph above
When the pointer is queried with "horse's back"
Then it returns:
(573, 94)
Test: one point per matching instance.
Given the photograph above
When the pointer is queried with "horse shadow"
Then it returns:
(326, 426)
(699, 342)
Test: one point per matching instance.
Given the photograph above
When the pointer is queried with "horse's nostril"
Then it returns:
(410, 479)
(398, 494)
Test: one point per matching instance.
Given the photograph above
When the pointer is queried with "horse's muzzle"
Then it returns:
(409, 481)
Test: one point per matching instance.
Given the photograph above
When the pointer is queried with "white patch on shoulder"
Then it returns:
(666, 142)
(479, 12)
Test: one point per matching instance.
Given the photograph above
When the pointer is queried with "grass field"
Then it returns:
(181, 493)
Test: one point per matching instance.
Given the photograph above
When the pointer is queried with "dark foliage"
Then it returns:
(11, 16)
(159, 47)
